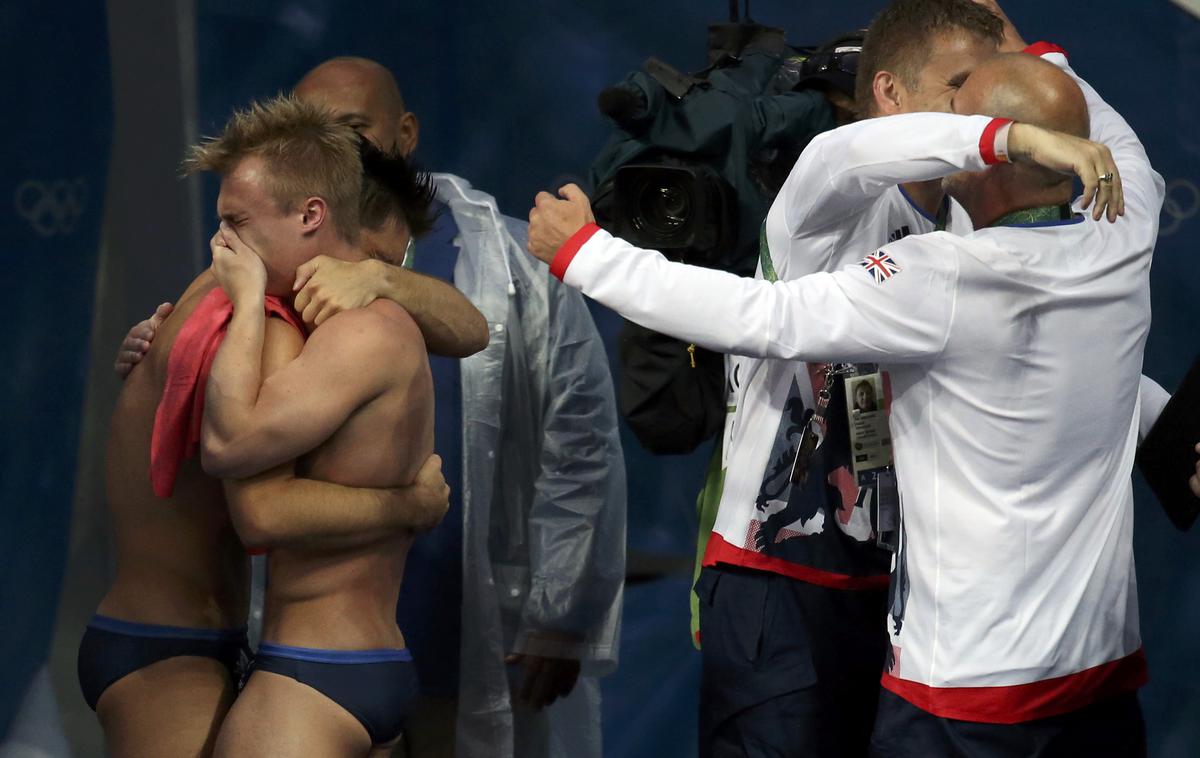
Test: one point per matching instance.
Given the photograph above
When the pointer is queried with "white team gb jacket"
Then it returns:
(1015, 357)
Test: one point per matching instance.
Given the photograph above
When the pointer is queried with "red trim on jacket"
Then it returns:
(1016, 703)
(566, 253)
(721, 551)
(987, 140)
(1041, 48)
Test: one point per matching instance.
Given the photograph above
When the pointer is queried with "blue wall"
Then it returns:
(53, 177)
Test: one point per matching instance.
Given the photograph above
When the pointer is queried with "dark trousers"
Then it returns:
(1111, 728)
(789, 668)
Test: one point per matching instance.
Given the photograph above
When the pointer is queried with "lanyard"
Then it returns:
(1035, 215)
(815, 422)
(943, 215)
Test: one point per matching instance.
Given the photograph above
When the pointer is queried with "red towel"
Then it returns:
(180, 411)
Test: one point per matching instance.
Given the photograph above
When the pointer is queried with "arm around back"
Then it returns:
(277, 508)
(449, 323)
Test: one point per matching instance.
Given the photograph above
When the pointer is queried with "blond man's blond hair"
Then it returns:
(308, 150)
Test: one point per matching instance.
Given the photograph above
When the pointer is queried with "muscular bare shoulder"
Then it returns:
(403, 327)
(381, 333)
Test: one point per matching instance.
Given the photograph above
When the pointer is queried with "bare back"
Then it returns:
(346, 598)
(179, 561)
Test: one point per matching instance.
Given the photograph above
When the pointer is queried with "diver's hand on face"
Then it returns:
(1072, 155)
(137, 343)
(326, 286)
(553, 221)
(238, 269)
(1013, 43)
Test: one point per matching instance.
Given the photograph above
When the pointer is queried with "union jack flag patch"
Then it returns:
(881, 266)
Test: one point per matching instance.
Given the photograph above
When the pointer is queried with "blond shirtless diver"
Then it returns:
(355, 405)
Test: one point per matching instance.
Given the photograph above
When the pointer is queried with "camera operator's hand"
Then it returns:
(1013, 43)
(1072, 155)
(552, 221)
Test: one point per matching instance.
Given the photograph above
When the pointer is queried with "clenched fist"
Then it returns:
(433, 495)
(553, 221)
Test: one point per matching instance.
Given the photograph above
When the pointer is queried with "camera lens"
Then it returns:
(662, 208)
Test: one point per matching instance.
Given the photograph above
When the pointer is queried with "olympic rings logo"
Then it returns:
(52, 208)
(1182, 202)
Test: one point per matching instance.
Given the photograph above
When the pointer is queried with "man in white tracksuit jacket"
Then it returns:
(955, 420)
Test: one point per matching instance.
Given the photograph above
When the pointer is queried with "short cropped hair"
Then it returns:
(394, 189)
(308, 150)
(899, 39)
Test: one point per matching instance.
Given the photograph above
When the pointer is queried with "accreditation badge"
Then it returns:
(870, 439)
(871, 454)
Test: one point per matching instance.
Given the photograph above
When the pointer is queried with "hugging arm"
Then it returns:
(843, 315)
(450, 325)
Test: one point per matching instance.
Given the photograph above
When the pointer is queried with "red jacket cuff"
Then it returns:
(566, 253)
(987, 141)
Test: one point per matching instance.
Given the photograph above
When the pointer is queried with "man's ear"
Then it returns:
(410, 132)
(315, 210)
(888, 93)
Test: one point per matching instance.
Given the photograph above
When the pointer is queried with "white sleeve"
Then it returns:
(847, 168)
(1152, 398)
(903, 315)
(1144, 188)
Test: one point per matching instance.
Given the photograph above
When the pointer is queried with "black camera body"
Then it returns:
(696, 159)
(687, 211)
(691, 170)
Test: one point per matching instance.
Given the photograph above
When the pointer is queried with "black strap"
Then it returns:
(815, 422)
(1167, 457)
(943, 215)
